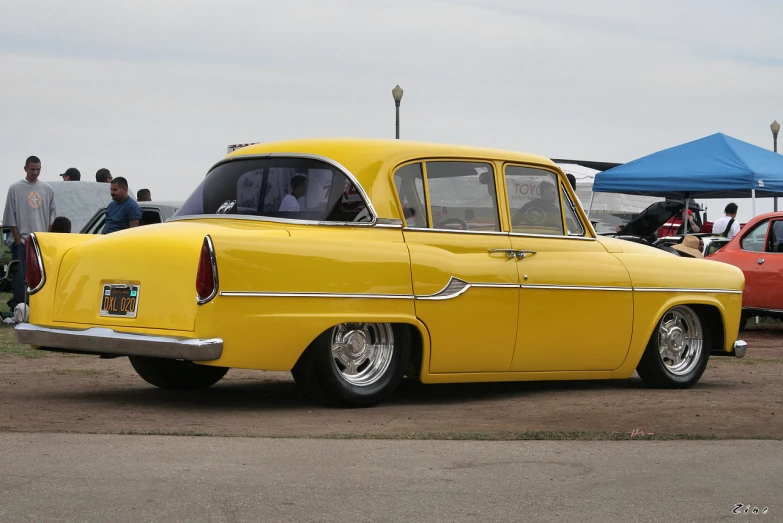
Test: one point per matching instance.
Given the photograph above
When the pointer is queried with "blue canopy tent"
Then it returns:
(716, 166)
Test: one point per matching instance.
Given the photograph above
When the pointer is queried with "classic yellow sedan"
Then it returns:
(353, 263)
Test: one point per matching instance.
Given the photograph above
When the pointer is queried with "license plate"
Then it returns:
(120, 300)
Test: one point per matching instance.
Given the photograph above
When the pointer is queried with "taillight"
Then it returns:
(206, 276)
(33, 265)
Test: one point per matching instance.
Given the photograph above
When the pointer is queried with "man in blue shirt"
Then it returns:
(123, 212)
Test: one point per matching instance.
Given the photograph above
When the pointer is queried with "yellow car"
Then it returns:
(353, 263)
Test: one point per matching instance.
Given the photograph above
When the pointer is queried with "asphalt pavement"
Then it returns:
(79, 478)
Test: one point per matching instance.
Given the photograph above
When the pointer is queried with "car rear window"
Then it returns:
(291, 188)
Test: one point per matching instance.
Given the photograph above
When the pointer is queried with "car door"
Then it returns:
(464, 279)
(761, 260)
(576, 299)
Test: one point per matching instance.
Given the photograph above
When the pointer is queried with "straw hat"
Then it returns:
(689, 246)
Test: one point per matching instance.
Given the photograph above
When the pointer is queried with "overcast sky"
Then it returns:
(155, 90)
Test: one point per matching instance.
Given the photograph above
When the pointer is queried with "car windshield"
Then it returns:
(291, 188)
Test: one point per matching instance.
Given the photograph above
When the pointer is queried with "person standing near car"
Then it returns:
(727, 225)
(29, 208)
(123, 211)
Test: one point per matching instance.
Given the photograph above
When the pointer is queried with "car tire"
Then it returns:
(678, 350)
(176, 374)
(354, 364)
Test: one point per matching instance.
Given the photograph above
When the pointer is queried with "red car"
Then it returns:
(758, 251)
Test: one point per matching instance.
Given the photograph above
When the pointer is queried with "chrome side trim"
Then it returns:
(575, 287)
(98, 340)
(272, 219)
(675, 289)
(215, 281)
(449, 231)
(456, 287)
(316, 157)
(388, 222)
(557, 236)
(37, 288)
(453, 288)
(243, 294)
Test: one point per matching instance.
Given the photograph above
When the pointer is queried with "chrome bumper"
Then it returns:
(106, 341)
(740, 347)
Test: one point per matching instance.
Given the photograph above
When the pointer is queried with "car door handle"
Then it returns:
(760, 261)
(510, 253)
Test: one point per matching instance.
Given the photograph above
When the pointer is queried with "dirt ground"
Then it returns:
(72, 393)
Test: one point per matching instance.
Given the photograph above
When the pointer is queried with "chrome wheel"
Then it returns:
(362, 352)
(680, 340)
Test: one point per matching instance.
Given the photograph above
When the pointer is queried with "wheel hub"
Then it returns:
(680, 340)
(355, 343)
(362, 352)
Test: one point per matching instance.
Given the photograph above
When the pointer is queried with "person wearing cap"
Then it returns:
(71, 174)
(689, 246)
(692, 225)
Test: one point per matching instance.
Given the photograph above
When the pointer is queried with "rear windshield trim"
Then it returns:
(348, 174)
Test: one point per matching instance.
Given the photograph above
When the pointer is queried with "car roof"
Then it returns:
(368, 159)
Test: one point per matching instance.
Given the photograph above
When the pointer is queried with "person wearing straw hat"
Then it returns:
(689, 246)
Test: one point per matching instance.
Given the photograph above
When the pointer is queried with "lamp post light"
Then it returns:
(397, 94)
(775, 127)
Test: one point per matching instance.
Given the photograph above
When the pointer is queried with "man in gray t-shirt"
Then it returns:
(29, 208)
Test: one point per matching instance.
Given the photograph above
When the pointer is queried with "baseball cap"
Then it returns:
(73, 173)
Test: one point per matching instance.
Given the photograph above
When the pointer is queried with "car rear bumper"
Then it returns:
(740, 347)
(104, 341)
(738, 350)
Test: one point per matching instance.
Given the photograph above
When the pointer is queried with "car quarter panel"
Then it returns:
(661, 282)
(53, 247)
(278, 294)
(161, 260)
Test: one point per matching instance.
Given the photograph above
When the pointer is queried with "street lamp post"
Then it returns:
(397, 94)
(775, 127)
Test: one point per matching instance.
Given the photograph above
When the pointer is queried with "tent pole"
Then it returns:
(590, 208)
(753, 201)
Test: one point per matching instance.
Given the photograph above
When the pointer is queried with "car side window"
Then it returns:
(755, 239)
(775, 242)
(534, 201)
(409, 181)
(462, 195)
(574, 225)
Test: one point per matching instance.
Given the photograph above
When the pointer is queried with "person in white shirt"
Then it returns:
(727, 225)
(298, 189)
